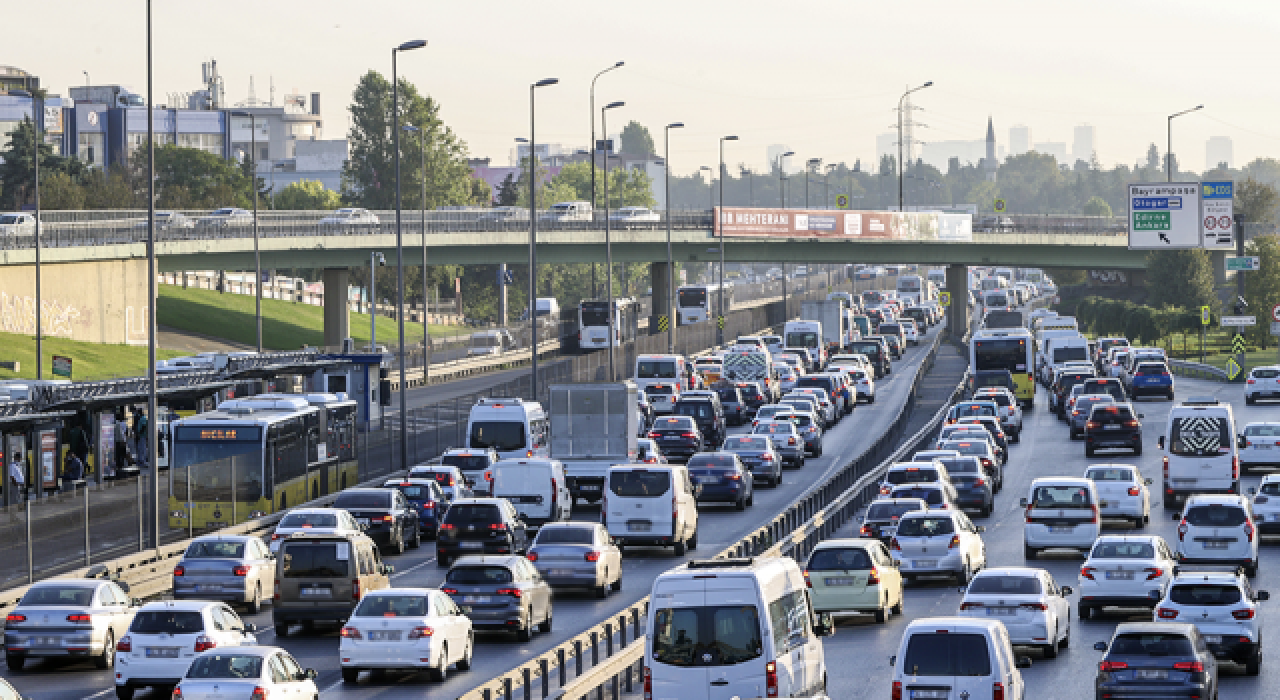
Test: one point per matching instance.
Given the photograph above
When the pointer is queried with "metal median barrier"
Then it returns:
(1195, 370)
(813, 516)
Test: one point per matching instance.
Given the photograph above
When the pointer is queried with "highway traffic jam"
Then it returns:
(449, 574)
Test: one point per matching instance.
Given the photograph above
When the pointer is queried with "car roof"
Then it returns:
(1010, 571)
(184, 605)
(318, 511)
(1224, 499)
(926, 624)
(1185, 628)
(1127, 538)
(508, 560)
(478, 501)
(1062, 480)
(79, 583)
(224, 538)
(862, 542)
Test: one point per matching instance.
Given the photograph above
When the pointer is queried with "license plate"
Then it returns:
(1215, 545)
(1060, 529)
(1263, 447)
(47, 641)
(1184, 482)
(589, 487)
(208, 588)
(1111, 427)
(470, 545)
(924, 563)
(888, 531)
(162, 652)
(1002, 611)
(384, 636)
(362, 521)
(931, 694)
(560, 572)
(476, 598)
(1151, 675)
(638, 527)
(839, 581)
(1119, 575)
(314, 592)
(1213, 639)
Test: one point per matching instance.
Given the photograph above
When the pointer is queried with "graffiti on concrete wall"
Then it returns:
(135, 325)
(17, 315)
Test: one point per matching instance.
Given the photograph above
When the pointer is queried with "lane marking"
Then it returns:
(415, 567)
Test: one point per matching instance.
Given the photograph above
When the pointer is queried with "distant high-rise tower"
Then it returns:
(1082, 147)
(1218, 150)
(990, 163)
(1019, 139)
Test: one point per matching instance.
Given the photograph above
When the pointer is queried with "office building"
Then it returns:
(1019, 139)
(1218, 150)
(1057, 149)
(1083, 143)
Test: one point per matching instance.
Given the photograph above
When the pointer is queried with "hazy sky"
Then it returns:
(821, 77)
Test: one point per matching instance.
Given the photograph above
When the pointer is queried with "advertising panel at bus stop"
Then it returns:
(848, 225)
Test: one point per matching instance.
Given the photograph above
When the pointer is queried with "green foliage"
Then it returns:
(1255, 202)
(192, 178)
(1097, 206)
(636, 140)
(17, 171)
(1262, 288)
(1181, 278)
(508, 192)
(306, 194)
(1139, 323)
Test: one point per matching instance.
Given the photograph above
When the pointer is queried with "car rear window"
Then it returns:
(1266, 373)
(357, 499)
(473, 514)
(741, 443)
(315, 559)
(566, 535)
(932, 496)
(1123, 550)
(1110, 414)
(840, 559)
(238, 666)
(1270, 488)
(1010, 585)
(912, 475)
(167, 622)
(1262, 431)
(930, 654)
(968, 409)
(1000, 399)
(707, 635)
(919, 526)
(415, 492)
(1151, 644)
(1060, 497)
(639, 483)
(467, 462)
(476, 575)
(309, 520)
(890, 511)
(393, 605)
(1215, 515)
(719, 461)
(1199, 435)
(1205, 594)
(1109, 474)
(962, 465)
(58, 595)
(215, 550)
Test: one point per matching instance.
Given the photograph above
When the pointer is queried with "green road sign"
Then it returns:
(1151, 221)
(944, 298)
(662, 324)
(1204, 315)
(1233, 369)
(1247, 263)
(1237, 344)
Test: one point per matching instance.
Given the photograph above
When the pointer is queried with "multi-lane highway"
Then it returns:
(574, 613)
(858, 655)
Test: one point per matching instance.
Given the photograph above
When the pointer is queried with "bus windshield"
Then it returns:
(213, 465)
(802, 339)
(1000, 354)
(692, 297)
(595, 313)
(656, 369)
(503, 436)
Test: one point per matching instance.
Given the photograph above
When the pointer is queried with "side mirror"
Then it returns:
(1262, 595)
(464, 609)
(1147, 481)
(1024, 662)
(1100, 646)
(1067, 590)
(893, 660)
(250, 628)
(123, 586)
(980, 528)
(1022, 502)
(135, 602)
(1102, 504)
(962, 590)
(1160, 442)
(310, 674)
(1141, 416)
(1175, 516)
(387, 569)
(1240, 442)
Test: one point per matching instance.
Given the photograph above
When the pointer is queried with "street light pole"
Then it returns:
(426, 331)
(901, 166)
(720, 234)
(152, 400)
(533, 234)
(608, 243)
(671, 268)
(375, 259)
(619, 64)
(395, 128)
(782, 180)
(808, 170)
(257, 258)
(1168, 155)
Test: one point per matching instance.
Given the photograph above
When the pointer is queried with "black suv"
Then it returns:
(1113, 425)
(752, 395)
(919, 315)
(985, 378)
(1156, 659)
(1105, 385)
(1061, 389)
(735, 407)
(876, 350)
(388, 518)
(480, 526)
(706, 412)
(678, 437)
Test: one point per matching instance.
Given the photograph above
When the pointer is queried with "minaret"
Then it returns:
(989, 163)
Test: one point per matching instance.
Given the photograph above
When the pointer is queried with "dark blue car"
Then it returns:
(723, 479)
(1151, 379)
(427, 498)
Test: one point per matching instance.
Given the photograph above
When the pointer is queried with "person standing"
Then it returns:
(140, 438)
(17, 478)
(122, 441)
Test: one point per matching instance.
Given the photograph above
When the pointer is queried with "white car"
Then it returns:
(1226, 610)
(314, 521)
(1126, 571)
(938, 542)
(626, 216)
(1028, 601)
(350, 216)
(864, 379)
(1009, 410)
(1262, 383)
(73, 619)
(1259, 446)
(1266, 505)
(1123, 490)
(909, 331)
(1062, 513)
(13, 223)
(938, 494)
(165, 637)
(1218, 529)
(406, 629)
(246, 673)
(226, 217)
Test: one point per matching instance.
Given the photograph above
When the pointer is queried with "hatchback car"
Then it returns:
(679, 437)
(77, 619)
(881, 519)
(662, 397)
(1124, 571)
(1032, 606)
(385, 515)
(786, 439)
(427, 497)
(325, 521)
(234, 568)
(974, 448)
(939, 495)
(975, 486)
(453, 481)
(406, 629)
(1082, 409)
(758, 455)
(723, 479)
(1218, 529)
(164, 638)
(939, 542)
(577, 555)
(1224, 608)
(1113, 425)
(1259, 446)
(854, 575)
(1156, 660)
(1062, 513)
(972, 408)
(246, 673)
(1262, 383)
(481, 526)
(807, 424)
(992, 424)
(1123, 491)
(503, 592)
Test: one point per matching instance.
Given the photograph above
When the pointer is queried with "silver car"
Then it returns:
(234, 568)
(69, 619)
(577, 555)
(504, 592)
(757, 453)
(312, 521)
(805, 404)
(786, 437)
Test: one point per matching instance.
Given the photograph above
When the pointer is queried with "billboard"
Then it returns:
(848, 225)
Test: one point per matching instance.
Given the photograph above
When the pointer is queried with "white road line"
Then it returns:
(100, 693)
(415, 567)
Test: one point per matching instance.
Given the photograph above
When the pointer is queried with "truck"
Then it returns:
(593, 426)
(835, 325)
(109, 95)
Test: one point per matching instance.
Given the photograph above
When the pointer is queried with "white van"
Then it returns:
(536, 487)
(651, 504)
(997, 299)
(1199, 449)
(1058, 351)
(806, 334)
(957, 657)
(513, 427)
(734, 628)
(661, 369)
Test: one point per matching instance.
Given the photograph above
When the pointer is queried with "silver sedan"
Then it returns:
(234, 568)
(68, 619)
(786, 439)
(577, 555)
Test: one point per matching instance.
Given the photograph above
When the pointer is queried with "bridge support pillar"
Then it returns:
(337, 322)
(659, 274)
(958, 312)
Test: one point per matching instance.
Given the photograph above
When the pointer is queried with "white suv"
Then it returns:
(1126, 571)
(1124, 490)
(1029, 603)
(1062, 512)
(1266, 505)
(1262, 383)
(938, 542)
(1218, 530)
(165, 636)
(1225, 609)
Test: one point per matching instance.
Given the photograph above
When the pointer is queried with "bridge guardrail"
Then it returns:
(617, 670)
(1196, 370)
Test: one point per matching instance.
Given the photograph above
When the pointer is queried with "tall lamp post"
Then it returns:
(152, 400)
(533, 234)
(608, 243)
(376, 260)
(671, 268)
(35, 144)
(594, 150)
(257, 257)
(395, 128)
(809, 166)
(720, 234)
(826, 186)
(782, 180)
(1168, 155)
(901, 166)
(426, 331)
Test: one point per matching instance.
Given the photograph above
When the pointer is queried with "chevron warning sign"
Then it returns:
(720, 322)
(1237, 344)
(1233, 369)
(662, 324)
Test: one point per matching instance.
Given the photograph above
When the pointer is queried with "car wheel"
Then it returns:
(1251, 570)
(617, 584)
(1253, 666)
(464, 664)
(255, 603)
(400, 544)
(964, 575)
(1066, 639)
(818, 452)
(985, 512)
(416, 542)
(602, 591)
(1248, 400)
(441, 670)
(881, 616)
(107, 658)
(902, 595)
(1084, 611)
(1029, 552)
(442, 561)
(1139, 523)
(124, 692)
(1088, 451)
(678, 548)
(1051, 649)
(15, 662)
(693, 541)
(350, 675)
(741, 504)
(282, 629)
(751, 498)
(545, 627)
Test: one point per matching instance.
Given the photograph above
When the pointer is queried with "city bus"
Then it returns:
(593, 323)
(1011, 349)
(696, 303)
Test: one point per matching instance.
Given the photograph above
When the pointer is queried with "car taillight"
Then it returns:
(205, 643)
(1235, 467)
(501, 527)
(1248, 530)
(179, 571)
(259, 693)
(865, 531)
(971, 606)
(791, 441)
(987, 463)
(1131, 424)
(1034, 606)
(177, 694)
(1134, 491)
(1154, 573)
(1192, 666)
(896, 693)
(648, 684)
(351, 633)
(1243, 613)
(592, 556)
(240, 570)
(893, 544)
(11, 618)
(449, 590)
(381, 519)
(807, 582)
(654, 434)
(1087, 572)
(1091, 425)
(1182, 529)
(355, 589)
(531, 556)
(1075, 413)
(1029, 512)
(687, 435)
(955, 542)
(979, 482)
(884, 490)
(421, 631)
(1112, 666)
(125, 644)
(1094, 508)
(429, 505)
(513, 592)
(1250, 381)
(767, 458)
(874, 577)
(1166, 613)
(276, 596)
(997, 691)
(448, 526)
(771, 679)
(79, 619)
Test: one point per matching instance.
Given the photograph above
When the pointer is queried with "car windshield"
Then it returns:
(479, 574)
(1011, 585)
(925, 527)
(1151, 644)
(840, 559)
(891, 511)
(1215, 515)
(226, 666)
(1060, 497)
(167, 622)
(912, 475)
(930, 654)
(639, 483)
(695, 409)
(503, 436)
(746, 443)
(315, 559)
(566, 535)
(393, 605)
(301, 520)
(357, 499)
(1123, 550)
(473, 514)
(707, 635)
(1205, 594)
(215, 550)
(1109, 474)
(59, 595)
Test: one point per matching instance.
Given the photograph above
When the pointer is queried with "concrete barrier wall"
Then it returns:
(101, 302)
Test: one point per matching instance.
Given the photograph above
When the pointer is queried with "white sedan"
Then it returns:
(1266, 505)
(1126, 571)
(625, 216)
(1032, 606)
(246, 673)
(1259, 446)
(1123, 491)
(406, 629)
(350, 216)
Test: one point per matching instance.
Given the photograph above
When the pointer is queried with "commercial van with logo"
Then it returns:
(513, 427)
(1199, 451)
(734, 628)
(536, 487)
